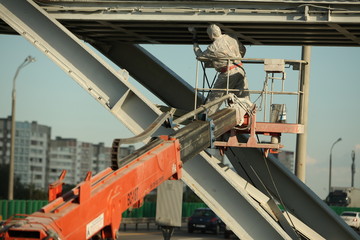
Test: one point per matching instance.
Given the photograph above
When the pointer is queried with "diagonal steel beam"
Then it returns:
(270, 176)
(151, 73)
(345, 32)
(237, 209)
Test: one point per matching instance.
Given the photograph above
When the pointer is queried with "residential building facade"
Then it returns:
(31, 153)
(63, 157)
(77, 158)
(39, 160)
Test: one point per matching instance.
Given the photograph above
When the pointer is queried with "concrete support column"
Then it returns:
(301, 141)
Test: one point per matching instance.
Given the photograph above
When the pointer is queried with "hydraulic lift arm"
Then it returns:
(93, 209)
(95, 206)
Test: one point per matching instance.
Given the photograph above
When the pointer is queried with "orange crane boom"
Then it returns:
(94, 207)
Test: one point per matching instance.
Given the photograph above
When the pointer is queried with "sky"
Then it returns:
(46, 94)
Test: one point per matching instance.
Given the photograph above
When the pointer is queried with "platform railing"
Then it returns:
(275, 70)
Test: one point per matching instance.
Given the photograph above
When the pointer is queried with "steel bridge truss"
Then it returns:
(245, 201)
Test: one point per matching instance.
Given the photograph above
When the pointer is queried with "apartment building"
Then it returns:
(31, 150)
(63, 157)
(101, 157)
(39, 160)
(77, 158)
(5, 126)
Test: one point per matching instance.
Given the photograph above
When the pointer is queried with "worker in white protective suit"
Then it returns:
(224, 47)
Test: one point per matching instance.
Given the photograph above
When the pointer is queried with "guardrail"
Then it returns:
(10, 208)
(143, 215)
(145, 220)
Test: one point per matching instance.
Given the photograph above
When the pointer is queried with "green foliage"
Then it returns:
(4, 179)
(21, 191)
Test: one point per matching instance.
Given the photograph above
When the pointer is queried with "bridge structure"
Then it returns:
(60, 28)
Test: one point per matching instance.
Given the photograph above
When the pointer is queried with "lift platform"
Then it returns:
(253, 129)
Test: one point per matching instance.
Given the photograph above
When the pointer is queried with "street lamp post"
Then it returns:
(27, 61)
(330, 162)
(352, 168)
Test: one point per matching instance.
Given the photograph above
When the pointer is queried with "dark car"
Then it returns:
(204, 219)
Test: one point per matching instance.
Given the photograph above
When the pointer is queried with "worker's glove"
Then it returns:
(196, 47)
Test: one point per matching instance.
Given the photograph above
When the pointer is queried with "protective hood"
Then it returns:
(213, 31)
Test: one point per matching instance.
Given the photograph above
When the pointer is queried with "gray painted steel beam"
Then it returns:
(345, 32)
(205, 176)
(151, 73)
(219, 11)
(287, 188)
(317, 23)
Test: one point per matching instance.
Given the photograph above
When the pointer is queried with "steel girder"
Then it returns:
(222, 11)
(151, 73)
(329, 23)
(268, 22)
(271, 177)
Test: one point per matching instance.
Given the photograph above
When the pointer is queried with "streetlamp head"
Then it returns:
(30, 59)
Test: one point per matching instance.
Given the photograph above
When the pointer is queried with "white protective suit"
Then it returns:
(224, 47)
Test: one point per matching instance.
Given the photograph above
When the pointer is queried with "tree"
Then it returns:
(21, 191)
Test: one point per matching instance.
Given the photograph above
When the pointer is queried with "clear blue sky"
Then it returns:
(49, 96)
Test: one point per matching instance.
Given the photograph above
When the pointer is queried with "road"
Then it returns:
(155, 234)
(179, 234)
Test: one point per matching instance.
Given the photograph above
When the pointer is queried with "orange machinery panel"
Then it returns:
(95, 206)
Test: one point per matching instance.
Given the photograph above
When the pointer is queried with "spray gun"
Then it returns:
(192, 30)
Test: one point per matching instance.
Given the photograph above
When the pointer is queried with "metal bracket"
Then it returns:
(152, 128)
(253, 128)
(148, 131)
(55, 188)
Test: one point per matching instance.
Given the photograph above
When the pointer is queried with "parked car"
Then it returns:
(352, 219)
(204, 219)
